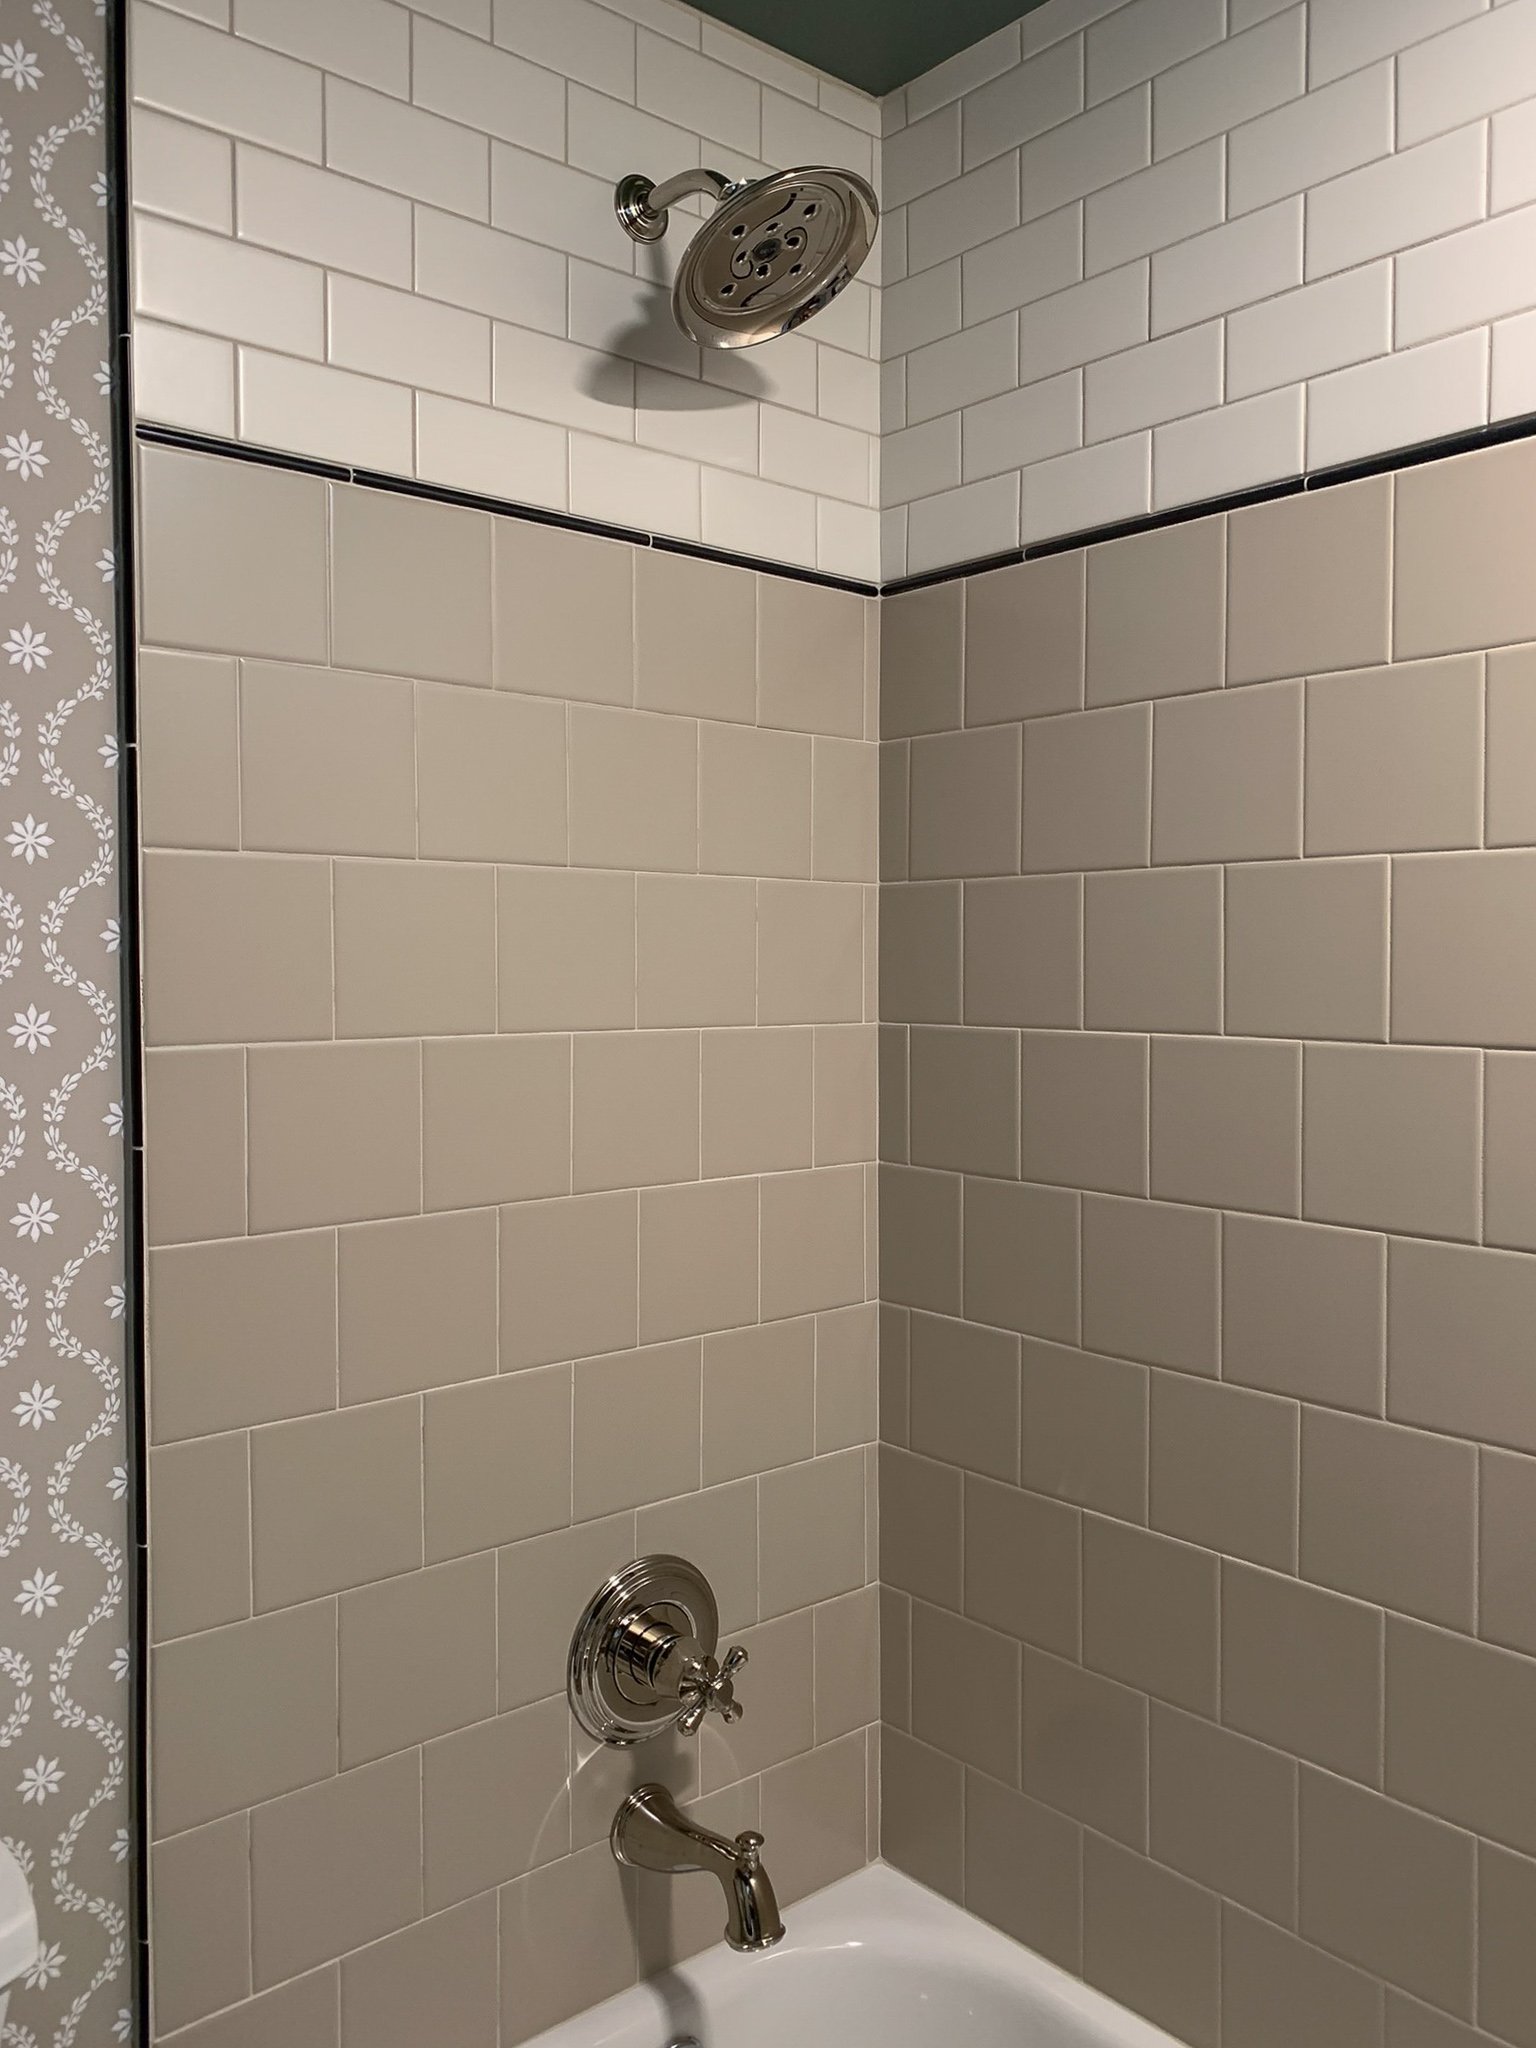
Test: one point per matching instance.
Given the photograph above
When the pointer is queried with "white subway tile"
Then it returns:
(183, 67)
(487, 89)
(917, 461)
(1091, 487)
(1398, 400)
(405, 149)
(964, 72)
(1254, 441)
(1301, 334)
(893, 542)
(757, 60)
(1033, 261)
(182, 171)
(1465, 279)
(783, 370)
(848, 540)
(1164, 380)
(817, 455)
(667, 17)
(1389, 206)
(611, 139)
(923, 155)
(1243, 14)
(317, 409)
(797, 134)
(847, 103)
(752, 517)
(1087, 153)
(550, 379)
(1147, 211)
(474, 448)
(465, 264)
(920, 308)
(1331, 130)
(1486, 63)
(565, 209)
(306, 211)
(1034, 96)
(848, 389)
(973, 209)
(1346, 34)
(182, 379)
(1228, 266)
(1148, 36)
(1058, 18)
(1097, 318)
(634, 486)
(1514, 367)
(962, 368)
(965, 525)
(891, 245)
(626, 316)
(893, 112)
(215, 11)
(575, 40)
(1244, 76)
(369, 40)
(684, 416)
(893, 394)
(474, 15)
(698, 93)
(220, 287)
(1022, 427)
(410, 340)
(1512, 150)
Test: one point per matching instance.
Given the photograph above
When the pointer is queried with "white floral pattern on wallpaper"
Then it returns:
(64, 1656)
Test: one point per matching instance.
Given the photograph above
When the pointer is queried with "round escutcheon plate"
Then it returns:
(605, 1697)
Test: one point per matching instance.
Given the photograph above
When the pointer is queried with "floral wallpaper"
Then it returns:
(64, 1656)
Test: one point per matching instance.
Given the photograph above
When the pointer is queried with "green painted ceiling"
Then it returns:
(874, 44)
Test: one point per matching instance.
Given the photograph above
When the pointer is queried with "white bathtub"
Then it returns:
(873, 1960)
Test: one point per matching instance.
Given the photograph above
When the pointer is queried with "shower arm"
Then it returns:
(642, 205)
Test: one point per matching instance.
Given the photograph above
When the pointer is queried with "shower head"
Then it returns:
(773, 252)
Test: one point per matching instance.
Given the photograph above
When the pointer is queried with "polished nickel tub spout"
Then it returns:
(651, 1832)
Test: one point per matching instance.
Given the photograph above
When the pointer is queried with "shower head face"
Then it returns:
(772, 254)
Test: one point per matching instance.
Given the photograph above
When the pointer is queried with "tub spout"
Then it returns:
(651, 1832)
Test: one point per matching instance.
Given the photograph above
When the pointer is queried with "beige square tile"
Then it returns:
(922, 1813)
(847, 1377)
(759, 1399)
(920, 1238)
(811, 1531)
(1084, 1110)
(1226, 776)
(194, 1117)
(1226, 1123)
(965, 1100)
(1276, 1990)
(966, 793)
(1023, 1870)
(200, 1498)
(1021, 1261)
(633, 790)
(1223, 1811)
(1460, 566)
(496, 1120)
(920, 954)
(756, 1103)
(1458, 1722)
(698, 1258)
(812, 1241)
(1157, 613)
(847, 1663)
(490, 776)
(436, 1980)
(1084, 1429)
(1150, 1282)
(335, 1133)
(1412, 2025)
(567, 1938)
(448, 1617)
(335, 1501)
(1395, 757)
(410, 586)
(1301, 1670)
(242, 1714)
(569, 1278)
(782, 1720)
(810, 657)
(1511, 712)
(1152, 1941)
(327, 761)
(495, 1801)
(564, 612)
(1390, 1515)
(189, 750)
(201, 1906)
(1308, 582)
(754, 801)
(1304, 1311)
(1455, 1301)
(334, 1866)
(1307, 949)
(1152, 950)
(1085, 1746)
(1394, 1138)
(636, 1109)
(717, 1527)
(895, 778)
(212, 927)
(1507, 1589)
(894, 1337)
(1456, 980)
(892, 1107)
(273, 1303)
(695, 636)
(697, 950)
(541, 1583)
(1223, 1466)
(978, 1723)
(845, 811)
(637, 1428)
(1024, 640)
(415, 948)
(234, 556)
(810, 953)
(815, 1805)
(496, 1461)
(922, 635)
(1022, 1565)
(1087, 782)
(846, 1094)
(565, 950)
(1506, 1892)
(1150, 1613)
(1023, 951)
(965, 1396)
(920, 1527)
(895, 1660)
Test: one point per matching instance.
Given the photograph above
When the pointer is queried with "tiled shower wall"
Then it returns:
(511, 1102)
(1209, 1095)
(385, 235)
(1142, 254)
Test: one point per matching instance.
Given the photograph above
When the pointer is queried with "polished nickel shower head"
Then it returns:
(774, 252)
